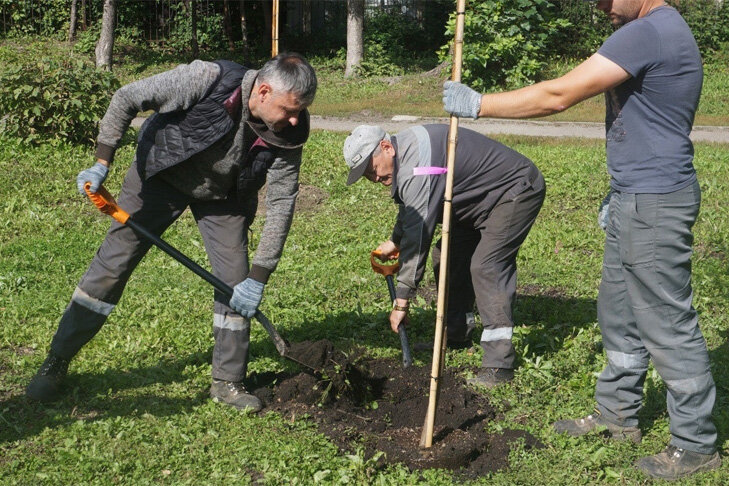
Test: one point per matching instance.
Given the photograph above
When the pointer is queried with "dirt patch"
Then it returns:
(380, 406)
(18, 350)
(429, 293)
(539, 291)
(309, 199)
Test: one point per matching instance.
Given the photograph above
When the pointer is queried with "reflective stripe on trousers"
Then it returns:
(645, 310)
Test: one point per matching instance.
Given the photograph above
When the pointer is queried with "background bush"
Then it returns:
(507, 41)
(393, 43)
(53, 98)
(708, 20)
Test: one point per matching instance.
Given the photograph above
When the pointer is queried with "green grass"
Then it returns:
(138, 411)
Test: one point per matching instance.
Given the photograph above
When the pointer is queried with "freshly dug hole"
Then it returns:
(339, 377)
(381, 406)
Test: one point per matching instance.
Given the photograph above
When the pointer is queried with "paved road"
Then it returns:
(493, 126)
(500, 126)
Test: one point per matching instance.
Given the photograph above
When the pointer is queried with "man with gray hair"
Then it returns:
(497, 195)
(220, 131)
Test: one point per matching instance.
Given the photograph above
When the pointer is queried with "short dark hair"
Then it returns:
(292, 73)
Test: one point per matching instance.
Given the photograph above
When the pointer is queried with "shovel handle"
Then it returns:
(106, 203)
(382, 268)
(407, 358)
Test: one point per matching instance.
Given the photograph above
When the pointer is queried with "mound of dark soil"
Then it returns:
(381, 406)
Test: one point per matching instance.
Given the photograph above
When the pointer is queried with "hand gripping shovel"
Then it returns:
(107, 205)
(388, 271)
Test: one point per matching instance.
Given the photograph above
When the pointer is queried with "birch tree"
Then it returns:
(105, 46)
(355, 28)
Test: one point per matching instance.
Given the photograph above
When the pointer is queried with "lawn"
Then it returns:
(138, 411)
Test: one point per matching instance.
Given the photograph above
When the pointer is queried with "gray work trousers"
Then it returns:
(482, 267)
(644, 310)
(155, 205)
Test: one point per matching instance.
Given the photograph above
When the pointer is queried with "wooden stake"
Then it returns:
(274, 29)
(439, 344)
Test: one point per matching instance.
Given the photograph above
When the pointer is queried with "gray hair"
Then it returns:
(291, 73)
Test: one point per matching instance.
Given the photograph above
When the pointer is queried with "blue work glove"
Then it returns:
(602, 215)
(247, 297)
(460, 100)
(95, 174)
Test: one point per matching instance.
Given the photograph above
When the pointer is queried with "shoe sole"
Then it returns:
(635, 436)
(715, 463)
(244, 409)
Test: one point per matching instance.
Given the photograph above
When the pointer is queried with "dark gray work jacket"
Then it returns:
(486, 173)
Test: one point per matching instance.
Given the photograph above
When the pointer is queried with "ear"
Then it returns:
(264, 91)
(387, 147)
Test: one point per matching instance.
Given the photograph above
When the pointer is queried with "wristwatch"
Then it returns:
(402, 308)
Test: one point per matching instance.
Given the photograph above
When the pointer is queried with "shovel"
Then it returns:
(107, 205)
(388, 271)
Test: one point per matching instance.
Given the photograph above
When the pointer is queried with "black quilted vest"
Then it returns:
(166, 139)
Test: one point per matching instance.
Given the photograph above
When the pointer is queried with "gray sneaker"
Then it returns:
(491, 377)
(233, 393)
(47, 384)
(594, 421)
(674, 463)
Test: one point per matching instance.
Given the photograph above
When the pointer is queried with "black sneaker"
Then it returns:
(594, 421)
(491, 377)
(233, 393)
(674, 463)
(47, 384)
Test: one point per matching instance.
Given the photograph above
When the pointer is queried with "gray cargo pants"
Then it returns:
(645, 312)
(155, 205)
(483, 268)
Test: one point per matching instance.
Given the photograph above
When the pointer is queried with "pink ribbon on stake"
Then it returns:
(429, 170)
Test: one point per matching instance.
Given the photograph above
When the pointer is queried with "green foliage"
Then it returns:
(506, 41)
(393, 44)
(86, 39)
(585, 32)
(24, 17)
(709, 22)
(53, 97)
(210, 33)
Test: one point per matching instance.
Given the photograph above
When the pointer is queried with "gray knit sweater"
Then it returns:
(213, 172)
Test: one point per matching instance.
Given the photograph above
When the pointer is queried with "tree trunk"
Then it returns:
(192, 7)
(306, 17)
(243, 27)
(355, 28)
(83, 14)
(105, 46)
(267, 15)
(228, 25)
(72, 23)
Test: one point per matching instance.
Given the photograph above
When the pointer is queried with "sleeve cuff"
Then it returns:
(403, 292)
(260, 274)
(105, 152)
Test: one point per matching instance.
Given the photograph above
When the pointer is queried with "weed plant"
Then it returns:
(138, 412)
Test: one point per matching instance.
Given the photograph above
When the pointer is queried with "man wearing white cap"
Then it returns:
(497, 195)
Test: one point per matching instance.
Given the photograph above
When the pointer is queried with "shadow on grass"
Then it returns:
(88, 400)
(550, 317)
(554, 319)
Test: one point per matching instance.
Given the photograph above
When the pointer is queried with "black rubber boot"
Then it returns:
(674, 463)
(47, 384)
(594, 421)
(233, 393)
(491, 377)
